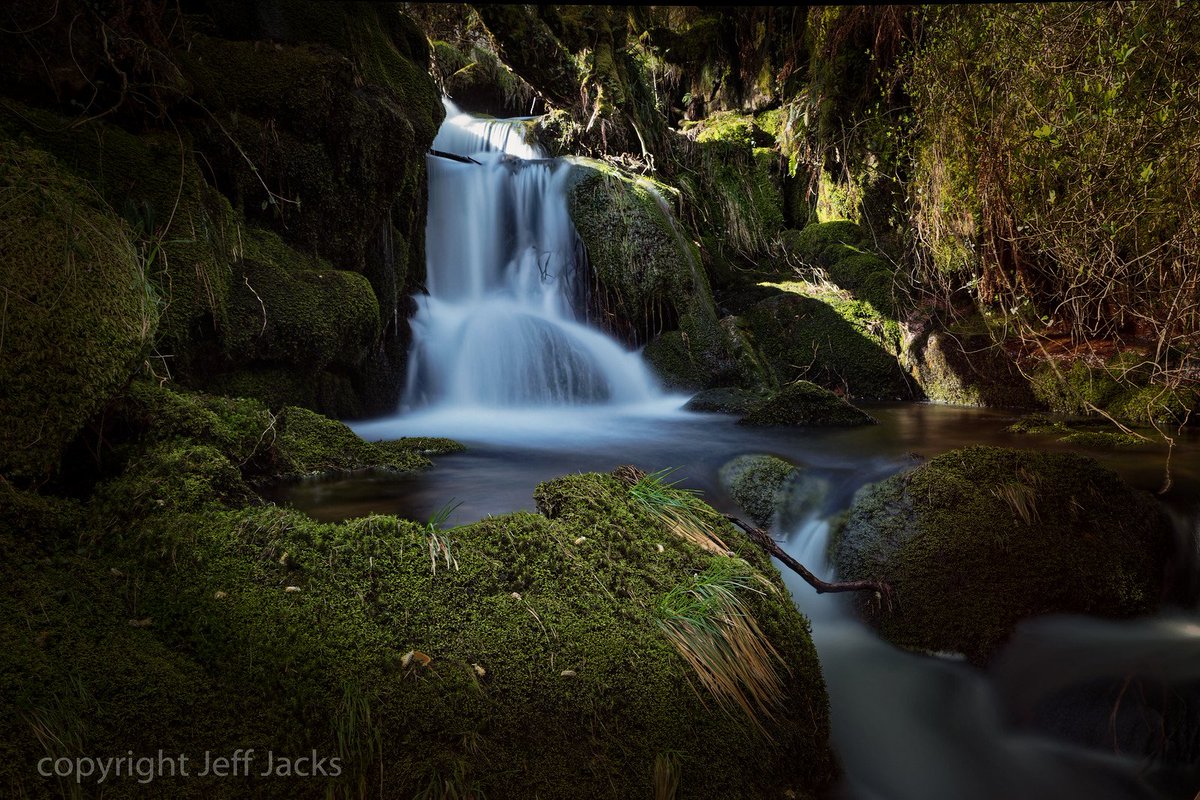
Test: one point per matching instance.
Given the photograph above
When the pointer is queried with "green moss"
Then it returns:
(183, 228)
(1122, 388)
(257, 620)
(841, 343)
(648, 274)
(805, 403)
(823, 244)
(298, 310)
(976, 540)
(78, 313)
(310, 443)
(756, 483)
(967, 369)
(725, 400)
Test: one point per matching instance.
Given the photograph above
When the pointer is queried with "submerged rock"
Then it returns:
(757, 483)
(976, 540)
(805, 403)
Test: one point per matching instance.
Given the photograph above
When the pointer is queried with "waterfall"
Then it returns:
(498, 327)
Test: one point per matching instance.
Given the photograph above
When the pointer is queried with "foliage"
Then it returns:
(1057, 153)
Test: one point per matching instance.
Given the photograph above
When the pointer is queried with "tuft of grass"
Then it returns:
(1021, 499)
(439, 542)
(680, 510)
(709, 624)
(359, 741)
(666, 776)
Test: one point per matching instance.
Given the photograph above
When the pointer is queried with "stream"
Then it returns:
(502, 362)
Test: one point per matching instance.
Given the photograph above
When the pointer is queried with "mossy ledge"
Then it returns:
(805, 403)
(420, 657)
(976, 540)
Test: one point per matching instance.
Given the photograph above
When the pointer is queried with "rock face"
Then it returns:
(78, 316)
(978, 539)
(804, 338)
(647, 277)
(289, 182)
(804, 403)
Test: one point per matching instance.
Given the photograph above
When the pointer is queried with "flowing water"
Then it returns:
(503, 364)
(497, 328)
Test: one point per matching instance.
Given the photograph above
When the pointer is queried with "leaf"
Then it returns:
(1044, 132)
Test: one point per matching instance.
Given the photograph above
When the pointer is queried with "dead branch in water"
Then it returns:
(767, 543)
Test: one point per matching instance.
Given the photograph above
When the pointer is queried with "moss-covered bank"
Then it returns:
(425, 660)
(976, 540)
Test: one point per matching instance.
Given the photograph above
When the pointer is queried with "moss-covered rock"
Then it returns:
(290, 310)
(841, 252)
(420, 658)
(805, 403)
(1093, 433)
(757, 483)
(79, 314)
(1123, 387)
(647, 276)
(312, 444)
(968, 369)
(726, 400)
(976, 540)
(833, 341)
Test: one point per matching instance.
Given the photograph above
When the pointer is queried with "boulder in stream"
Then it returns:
(978, 539)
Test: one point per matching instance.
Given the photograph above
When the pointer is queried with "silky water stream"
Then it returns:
(501, 361)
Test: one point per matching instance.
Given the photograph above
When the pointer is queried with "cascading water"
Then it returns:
(498, 328)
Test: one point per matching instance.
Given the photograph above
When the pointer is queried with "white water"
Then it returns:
(498, 329)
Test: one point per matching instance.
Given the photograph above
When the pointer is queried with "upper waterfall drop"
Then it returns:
(498, 327)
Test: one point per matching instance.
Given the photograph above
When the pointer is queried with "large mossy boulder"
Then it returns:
(966, 368)
(976, 540)
(834, 342)
(805, 403)
(78, 312)
(420, 658)
(647, 276)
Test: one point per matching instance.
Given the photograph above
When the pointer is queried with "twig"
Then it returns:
(764, 540)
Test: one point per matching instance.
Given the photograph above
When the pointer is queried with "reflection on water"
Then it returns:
(1042, 724)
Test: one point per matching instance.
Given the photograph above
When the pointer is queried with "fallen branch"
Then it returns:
(767, 543)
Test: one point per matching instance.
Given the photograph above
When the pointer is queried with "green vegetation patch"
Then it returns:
(421, 657)
(976, 540)
(840, 344)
